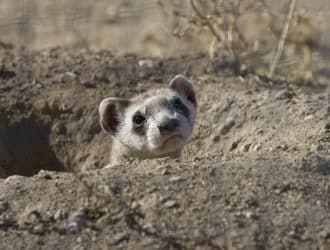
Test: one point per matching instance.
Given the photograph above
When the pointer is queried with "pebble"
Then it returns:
(285, 94)
(15, 178)
(170, 204)
(45, 174)
(309, 117)
(325, 234)
(277, 191)
(284, 147)
(38, 229)
(225, 128)
(76, 221)
(256, 147)
(120, 237)
(175, 178)
(68, 77)
(60, 214)
(146, 63)
(250, 215)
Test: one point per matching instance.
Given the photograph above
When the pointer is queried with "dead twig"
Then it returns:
(207, 22)
(284, 34)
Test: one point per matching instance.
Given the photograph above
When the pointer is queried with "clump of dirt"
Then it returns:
(254, 175)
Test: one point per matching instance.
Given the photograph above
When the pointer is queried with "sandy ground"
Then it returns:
(255, 174)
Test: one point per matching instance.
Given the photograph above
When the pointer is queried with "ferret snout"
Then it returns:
(168, 126)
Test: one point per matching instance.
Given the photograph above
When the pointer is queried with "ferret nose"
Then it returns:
(168, 126)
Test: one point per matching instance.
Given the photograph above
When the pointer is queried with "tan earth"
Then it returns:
(255, 175)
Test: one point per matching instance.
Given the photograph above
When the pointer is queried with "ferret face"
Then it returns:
(159, 125)
(154, 124)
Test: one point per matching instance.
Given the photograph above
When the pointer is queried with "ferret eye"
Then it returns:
(178, 104)
(138, 119)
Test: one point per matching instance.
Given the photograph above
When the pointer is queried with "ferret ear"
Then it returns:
(111, 112)
(182, 85)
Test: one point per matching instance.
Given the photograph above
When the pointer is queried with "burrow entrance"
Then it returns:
(25, 149)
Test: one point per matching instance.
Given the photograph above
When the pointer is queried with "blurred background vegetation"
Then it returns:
(248, 30)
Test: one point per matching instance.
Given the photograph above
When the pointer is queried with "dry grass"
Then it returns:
(284, 34)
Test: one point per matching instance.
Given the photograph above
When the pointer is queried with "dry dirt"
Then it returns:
(255, 175)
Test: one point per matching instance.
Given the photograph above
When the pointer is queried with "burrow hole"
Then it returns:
(25, 149)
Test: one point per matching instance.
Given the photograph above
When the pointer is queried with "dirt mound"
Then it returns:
(254, 175)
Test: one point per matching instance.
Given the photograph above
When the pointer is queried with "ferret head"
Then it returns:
(154, 124)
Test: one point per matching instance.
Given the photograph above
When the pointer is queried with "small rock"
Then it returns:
(292, 233)
(38, 229)
(120, 237)
(170, 204)
(285, 94)
(76, 221)
(277, 191)
(225, 128)
(44, 174)
(325, 234)
(309, 117)
(315, 147)
(271, 149)
(146, 63)
(175, 179)
(284, 147)
(15, 178)
(60, 214)
(250, 215)
(256, 147)
(68, 76)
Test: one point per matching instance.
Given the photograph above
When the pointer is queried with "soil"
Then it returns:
(255, 174)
